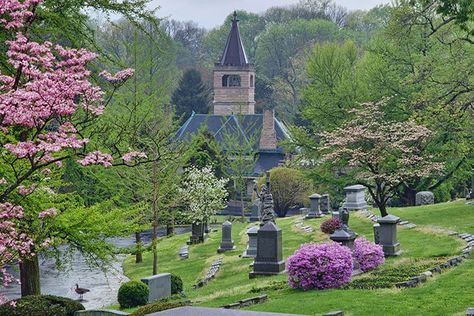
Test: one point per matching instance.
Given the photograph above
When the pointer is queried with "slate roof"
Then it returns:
(234, 51)
(245, 128)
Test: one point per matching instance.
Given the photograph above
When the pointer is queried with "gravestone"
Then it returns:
(355, 197)
(159, 286)
(251, 251)
(324, 204)
(227, 243)
(256, 212)
(197, 233)
(314, 211)
(388, 235)
(424, 198)
(346, 237)
(269, 259)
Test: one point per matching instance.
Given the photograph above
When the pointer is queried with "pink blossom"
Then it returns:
(368, 254)
(50, 212)
(13, 13)
(3, 181)
(96, 158)
(119, 77)
(133, 155)
(25, 190)
(319, 266)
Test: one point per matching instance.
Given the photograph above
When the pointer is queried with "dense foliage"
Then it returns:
(330, 225)
(191, 95)
(132, 294)
(368, 254)
(176, 284)
(41, 305)
(320, 266)
(156, 307)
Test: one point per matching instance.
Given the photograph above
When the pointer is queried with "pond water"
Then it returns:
(103, 286)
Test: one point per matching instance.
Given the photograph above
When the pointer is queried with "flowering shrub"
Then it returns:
(330, 225)
(368, 254)
(320, 266)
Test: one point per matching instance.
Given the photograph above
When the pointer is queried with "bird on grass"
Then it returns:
(81, 291)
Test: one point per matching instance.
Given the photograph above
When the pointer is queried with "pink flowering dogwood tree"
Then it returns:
(378, 153)
(47, 104)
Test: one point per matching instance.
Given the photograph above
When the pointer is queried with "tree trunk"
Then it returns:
(169, 229)
(138, 241)
(242, 206)
(409, 196)
(383, 209)
(154, 239)
(154, 242)
(30, 276)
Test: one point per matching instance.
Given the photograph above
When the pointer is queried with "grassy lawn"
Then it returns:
(446, 294)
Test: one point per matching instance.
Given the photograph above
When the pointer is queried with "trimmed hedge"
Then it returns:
(157, 307)
(176, 284)
(132, 294)
(41, 305)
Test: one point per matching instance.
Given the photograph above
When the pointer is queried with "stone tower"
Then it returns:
(234, 77)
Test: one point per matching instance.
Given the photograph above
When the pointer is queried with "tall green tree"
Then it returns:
(192, 95)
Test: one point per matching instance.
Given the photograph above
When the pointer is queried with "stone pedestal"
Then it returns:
(227, 243)
(346, 237)
(324, 204)
(355, 198)
(377, 234)
(198, 234)
(251, 251)
(387, 235)
(424, 198)
(269, 259)
(159, 286)
(314, 211)
(256, 216)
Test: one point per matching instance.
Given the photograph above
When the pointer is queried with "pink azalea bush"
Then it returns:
(330, 225)
(368, 254)
(320, 266)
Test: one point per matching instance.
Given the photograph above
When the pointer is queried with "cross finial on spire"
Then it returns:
(235, 15)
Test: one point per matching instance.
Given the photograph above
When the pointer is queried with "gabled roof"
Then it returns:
(234, 51)
(245, 128)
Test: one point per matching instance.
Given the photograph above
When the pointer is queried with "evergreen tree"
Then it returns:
(191, 95)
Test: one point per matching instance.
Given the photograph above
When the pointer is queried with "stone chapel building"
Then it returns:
(234, 108)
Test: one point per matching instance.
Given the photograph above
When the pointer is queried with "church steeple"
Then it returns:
(234, 77)
(234, 51)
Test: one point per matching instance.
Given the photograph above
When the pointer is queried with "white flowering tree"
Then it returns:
(203, 194)
(380, 154)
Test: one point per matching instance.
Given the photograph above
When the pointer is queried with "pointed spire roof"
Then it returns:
(234, 52)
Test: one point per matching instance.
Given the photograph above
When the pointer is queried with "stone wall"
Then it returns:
(228, 100)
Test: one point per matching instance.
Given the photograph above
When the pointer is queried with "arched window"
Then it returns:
(231, 81)
(251, 81)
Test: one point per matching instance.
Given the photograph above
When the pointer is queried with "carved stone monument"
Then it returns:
(255, 215)
(324, 204)
(197, 233)
(314, 211)
(424, 198)
(387, 235)
(251, 251)
(227, 243)
(269, 259)
(355, 197)
(346, 237)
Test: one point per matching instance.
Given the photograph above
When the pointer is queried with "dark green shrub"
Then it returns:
(176, 284)
(157, 307)
(41, 305)
(132, 294)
